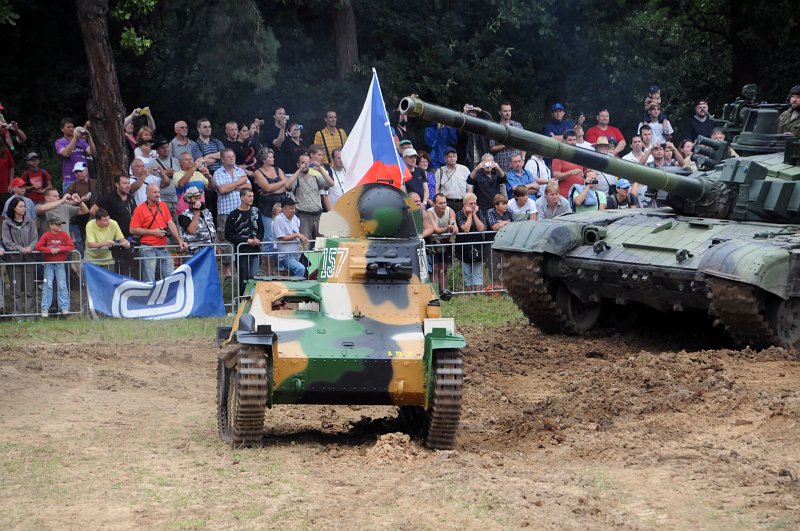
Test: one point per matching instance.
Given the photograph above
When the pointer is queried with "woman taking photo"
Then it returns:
(293, 147)
(19, 238)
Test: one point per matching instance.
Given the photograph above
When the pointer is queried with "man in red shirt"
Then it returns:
(151, 221)
(609, 131)
(567, 173)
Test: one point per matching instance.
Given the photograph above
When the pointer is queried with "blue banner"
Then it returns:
(192, 290)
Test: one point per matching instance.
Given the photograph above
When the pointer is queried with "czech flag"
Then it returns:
(369, 154)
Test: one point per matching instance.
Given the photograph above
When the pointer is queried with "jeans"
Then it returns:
(152, 256)
(296, 269)
(267, 245)
(472, 271)
(77, 237)
(59, 271)
(23, 288)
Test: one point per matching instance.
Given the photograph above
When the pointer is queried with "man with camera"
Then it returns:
(311, 182)
(76, 145)
(196, 222)
(487, 180)
(275, 135)
(586, 197)
(151, 221)
(501, 152)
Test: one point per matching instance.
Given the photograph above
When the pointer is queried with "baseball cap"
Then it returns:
(558, 107)
(449, 149)
(79, 166)
(794, 92)
(17, 181)
(411, 152)
(53, 219)
(32, 155)
(406, 142)
(288, 201)
(191, 192)
(623, 183)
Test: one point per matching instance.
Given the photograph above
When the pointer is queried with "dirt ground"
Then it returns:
(655, 430)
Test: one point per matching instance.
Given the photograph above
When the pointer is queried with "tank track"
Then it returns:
(740, 308)
(244, 426)
(445, 414)
(523, 278)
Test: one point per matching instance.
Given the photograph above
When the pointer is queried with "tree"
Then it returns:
(344, 29)
(105, 108)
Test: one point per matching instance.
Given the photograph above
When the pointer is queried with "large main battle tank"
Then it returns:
(729, 245)
(368, 330)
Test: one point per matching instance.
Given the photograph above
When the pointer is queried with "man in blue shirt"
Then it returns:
(555, 128)
(439, 137)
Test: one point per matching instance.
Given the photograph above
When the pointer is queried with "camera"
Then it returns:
(259, 121)
(487, 164)
(592, 181)
(81, 130)
(299, 127)
(663, 144)
(286, 119)
(469, 107)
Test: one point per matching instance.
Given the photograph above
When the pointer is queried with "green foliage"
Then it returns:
(7, 13)
(134, 42)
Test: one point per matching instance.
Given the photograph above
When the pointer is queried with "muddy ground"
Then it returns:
(650, 430)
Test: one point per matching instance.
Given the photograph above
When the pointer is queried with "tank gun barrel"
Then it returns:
(546, 147)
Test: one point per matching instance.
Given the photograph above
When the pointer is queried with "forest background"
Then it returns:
(238, 59)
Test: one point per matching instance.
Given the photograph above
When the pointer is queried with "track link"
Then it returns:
(740, 308)
(445, 414)
(242, 398)
(522, 275)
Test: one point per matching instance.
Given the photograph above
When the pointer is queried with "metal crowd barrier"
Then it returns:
(269, 260)
(22, 282)
(466, 267)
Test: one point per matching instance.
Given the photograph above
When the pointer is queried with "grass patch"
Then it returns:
(481, 310)
(83, 329)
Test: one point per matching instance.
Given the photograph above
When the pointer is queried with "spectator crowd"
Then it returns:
(262, 187)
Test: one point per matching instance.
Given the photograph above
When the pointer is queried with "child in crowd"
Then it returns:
(54, 246)
(653, 98)
(37, 180)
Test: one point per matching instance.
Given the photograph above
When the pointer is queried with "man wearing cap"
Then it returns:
(701, 124)
(192, 173)
(37, 180)
(330, 136)
(503, 154)
(151, 221)
(418, 182)
(451, 180)
(196, 222)
(86, 189)
(181, 143)
(286, 230)
(404, 145)
(789, 120)
(556, 127)
(603, 128)
(605, 181)
(622, 198)
(75, 145)
(18, 190)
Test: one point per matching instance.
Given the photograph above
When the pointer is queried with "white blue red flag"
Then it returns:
(192, 290)
(369, 154)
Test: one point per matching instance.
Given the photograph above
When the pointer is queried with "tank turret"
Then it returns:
(759, 188)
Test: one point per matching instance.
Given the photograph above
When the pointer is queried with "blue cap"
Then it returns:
(558, 107)
(623, 183)
(450, 149)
